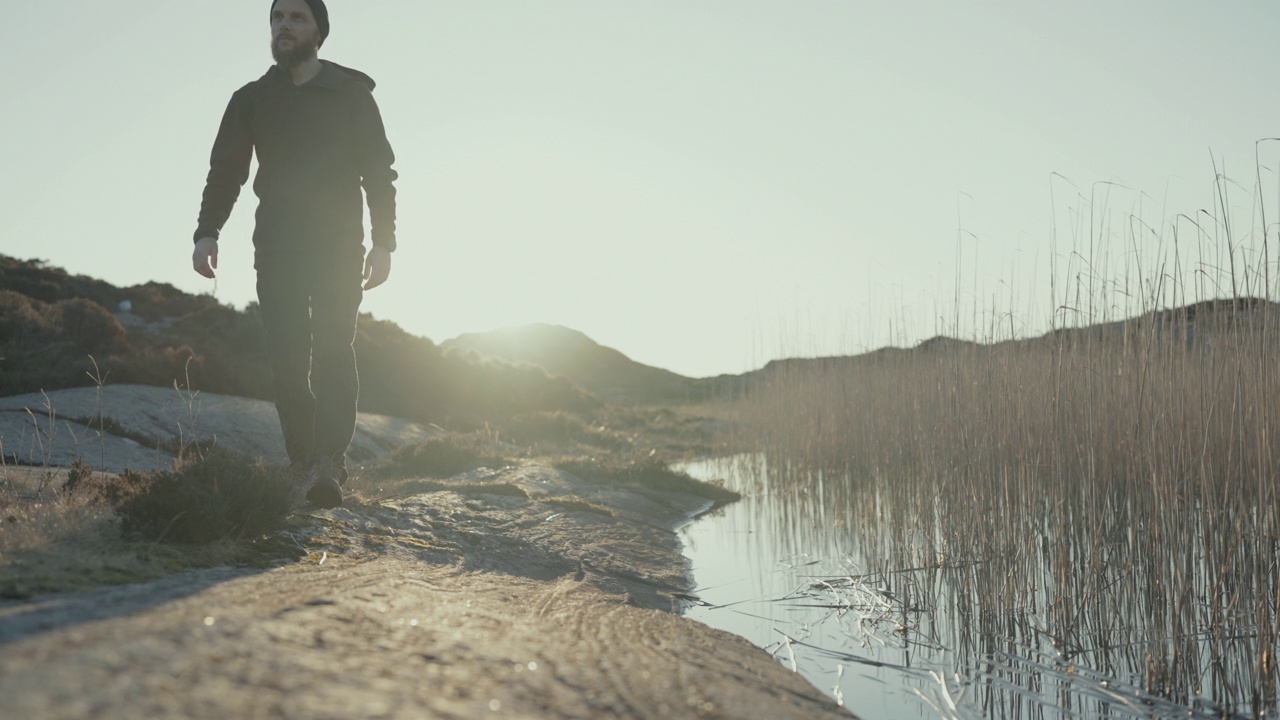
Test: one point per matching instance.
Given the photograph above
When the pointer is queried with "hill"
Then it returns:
(611, 375)
(600, 370)
(1191, 324)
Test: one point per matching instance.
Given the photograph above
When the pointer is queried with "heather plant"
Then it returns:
(215, 496)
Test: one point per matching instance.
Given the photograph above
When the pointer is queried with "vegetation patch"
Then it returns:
(612, 428)
(560, 430)
(443, 457)
(645, 471)
(684, 431)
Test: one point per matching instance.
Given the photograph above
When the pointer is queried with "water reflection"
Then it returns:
(877, 597)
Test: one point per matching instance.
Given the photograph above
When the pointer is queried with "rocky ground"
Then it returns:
(147, 426)
(522, 591)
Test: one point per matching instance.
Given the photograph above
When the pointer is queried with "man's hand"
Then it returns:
(205, 257)
(377, 267)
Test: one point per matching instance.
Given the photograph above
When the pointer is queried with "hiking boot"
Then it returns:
(298, 471)
(298, 476)
(326, 487)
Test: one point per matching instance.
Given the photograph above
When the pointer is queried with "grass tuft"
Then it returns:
(443, 457)
(62, 532)
(215, 497)
(559, 430)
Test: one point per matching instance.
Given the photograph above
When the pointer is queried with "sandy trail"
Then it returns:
(525, 592)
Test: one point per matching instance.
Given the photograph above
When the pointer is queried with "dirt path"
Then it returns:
(526, 592)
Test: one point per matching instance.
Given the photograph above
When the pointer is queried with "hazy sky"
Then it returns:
(702, 184)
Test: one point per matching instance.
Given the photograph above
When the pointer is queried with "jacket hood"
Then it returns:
(368, 81)
(331, 75)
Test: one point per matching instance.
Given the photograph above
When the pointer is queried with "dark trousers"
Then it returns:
(309, 322)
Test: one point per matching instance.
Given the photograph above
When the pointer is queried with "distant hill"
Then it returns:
(614, 377)
(600, 370)
(1188, 324)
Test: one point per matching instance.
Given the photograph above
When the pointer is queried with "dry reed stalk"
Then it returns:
(1112, 491)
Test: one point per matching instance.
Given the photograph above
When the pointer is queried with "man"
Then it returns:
(319, 139)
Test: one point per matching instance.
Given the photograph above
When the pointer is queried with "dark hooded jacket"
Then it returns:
(317, 145)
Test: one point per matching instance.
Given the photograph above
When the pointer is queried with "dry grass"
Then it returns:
(447, 456)
(680, 432)
(1112, 495)
(1105, 496)
(47, 535)
(56, 541)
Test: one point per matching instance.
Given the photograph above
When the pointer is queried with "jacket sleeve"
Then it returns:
(228, 169)
(376, 175)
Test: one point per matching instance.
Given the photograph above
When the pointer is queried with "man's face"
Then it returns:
(295, 37)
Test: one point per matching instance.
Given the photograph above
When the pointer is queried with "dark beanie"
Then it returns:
(320, 12)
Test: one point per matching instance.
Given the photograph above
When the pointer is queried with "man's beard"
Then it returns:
(303, 49)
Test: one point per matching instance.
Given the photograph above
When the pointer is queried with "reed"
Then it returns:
(1099, 500)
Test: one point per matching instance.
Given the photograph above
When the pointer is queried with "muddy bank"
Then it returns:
(522, 592)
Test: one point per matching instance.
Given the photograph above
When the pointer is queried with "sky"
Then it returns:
(704, 185)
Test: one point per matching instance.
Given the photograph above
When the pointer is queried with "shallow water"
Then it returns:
(783, 569)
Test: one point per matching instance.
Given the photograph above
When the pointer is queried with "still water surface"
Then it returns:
(758, 584)
(783, 569)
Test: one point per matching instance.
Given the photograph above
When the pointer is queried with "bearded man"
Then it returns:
(319, 139)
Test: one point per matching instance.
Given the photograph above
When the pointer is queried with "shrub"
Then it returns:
(24, 320)
(154, 366)
(88, 325)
